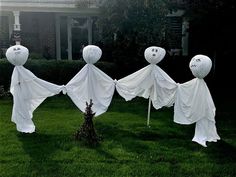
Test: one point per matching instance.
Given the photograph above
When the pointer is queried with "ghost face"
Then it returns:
(154, 54)
(17, 55)
(92, 54)
(200, 65)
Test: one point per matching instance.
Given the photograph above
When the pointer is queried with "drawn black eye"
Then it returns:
(152, 50)
(18, 48)
(14, 49)
(156, 50)
(198, 60)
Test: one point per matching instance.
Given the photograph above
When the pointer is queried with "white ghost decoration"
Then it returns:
(91, 54)
(200, 65)
(28, 91)
(17, 55)
(91, 83)
(154, 54)
(149, 82)
(194, 103)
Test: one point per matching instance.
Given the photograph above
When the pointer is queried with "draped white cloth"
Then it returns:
(149, 82)
(91, 83)
(193, 101)
(28, 93)
(194, 104)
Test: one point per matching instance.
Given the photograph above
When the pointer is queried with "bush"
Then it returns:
(36, 56)
(6, 69)
(3, 92)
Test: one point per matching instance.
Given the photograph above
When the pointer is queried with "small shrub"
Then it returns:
(3, 93)
(87, 131)
(36, 56)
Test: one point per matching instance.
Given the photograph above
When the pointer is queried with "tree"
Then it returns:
(131, 26)
(211, 25)
(212, 32)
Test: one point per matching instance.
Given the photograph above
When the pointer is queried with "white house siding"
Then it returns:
(39, 25)
(4, 31)
(38, 33)
(49, 5)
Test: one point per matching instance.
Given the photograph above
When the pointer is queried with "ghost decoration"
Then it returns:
(200, 65)
(91, 54)
(154, 54)
(149, 82)
(28, 91)
(194, 103)
(17, 55)
(91, 83)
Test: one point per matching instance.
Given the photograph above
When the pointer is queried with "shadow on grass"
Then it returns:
(222, 152)
(108, 156)
(40, 148)
(116, 138)
(134, 106)
(167, 133)
(128, 140)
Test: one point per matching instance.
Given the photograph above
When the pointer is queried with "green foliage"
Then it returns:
(3, 92)
(136, 22)
(84, 3)
(35, 56)
(6, 69)
(129, 148)
(129, 27)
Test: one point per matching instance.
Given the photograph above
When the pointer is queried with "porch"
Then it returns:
(53, 29)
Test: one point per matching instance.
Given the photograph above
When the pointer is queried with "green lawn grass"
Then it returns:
(128, 149)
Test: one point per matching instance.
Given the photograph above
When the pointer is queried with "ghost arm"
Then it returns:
(28, 93)
(164, 89)
(91, 83)
(136, 84)
(150, 81)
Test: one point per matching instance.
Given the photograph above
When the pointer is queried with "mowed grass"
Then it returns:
(128, 149)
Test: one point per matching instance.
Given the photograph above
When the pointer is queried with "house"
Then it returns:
(59, 29)
(54, 28)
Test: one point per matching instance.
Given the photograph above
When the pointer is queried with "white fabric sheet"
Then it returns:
(149, 82)
(28, 93)
(194, 104)
(91, 83)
